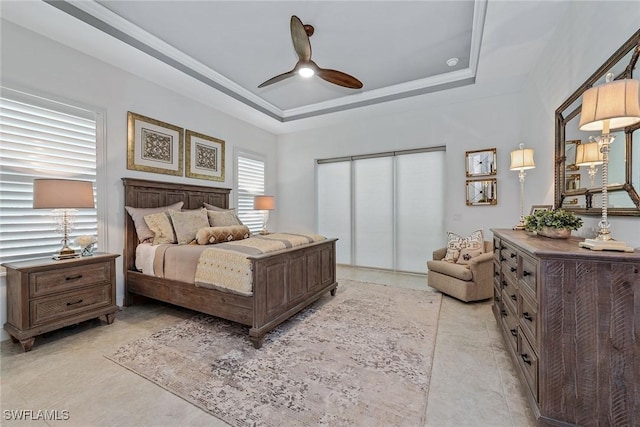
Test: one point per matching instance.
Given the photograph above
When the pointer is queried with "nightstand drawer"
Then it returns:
(47, 309)
(64, 279)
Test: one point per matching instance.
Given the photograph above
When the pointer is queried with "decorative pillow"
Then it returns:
(160, 225)
(466, 254)
(209, 235)
(137, 215)
(209, 207)
(187, 223)
(223, 219)
(456, 243)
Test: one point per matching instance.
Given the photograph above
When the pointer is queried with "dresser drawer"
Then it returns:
(510, 293)
(510, 325)
(496, 274)
(48, 309)
(509, 255)
(528, 361)
(65, 279)
(529, 274)
(497, 247)
(528, 316)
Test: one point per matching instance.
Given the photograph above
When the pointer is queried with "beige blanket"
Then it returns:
(225, 266)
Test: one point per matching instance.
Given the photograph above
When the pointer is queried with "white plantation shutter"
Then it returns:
(41, 139)
(250, 183)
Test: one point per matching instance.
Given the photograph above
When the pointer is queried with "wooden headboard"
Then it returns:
(140, 193)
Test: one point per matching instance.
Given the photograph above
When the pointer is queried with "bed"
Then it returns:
(284, 282)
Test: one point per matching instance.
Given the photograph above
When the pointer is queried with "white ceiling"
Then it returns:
(398, 49)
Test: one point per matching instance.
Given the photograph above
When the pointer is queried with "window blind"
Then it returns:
(40, 138)
(250, 183)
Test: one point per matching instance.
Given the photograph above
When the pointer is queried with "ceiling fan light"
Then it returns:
(306, 72)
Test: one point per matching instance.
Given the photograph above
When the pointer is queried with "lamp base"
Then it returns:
(605, 245)
(66, 253)
(520, 225)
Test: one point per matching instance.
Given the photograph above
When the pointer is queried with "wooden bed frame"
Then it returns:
(284, 282)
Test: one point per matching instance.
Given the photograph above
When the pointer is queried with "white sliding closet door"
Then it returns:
(334, 206)
(373, 212)
(419, 208)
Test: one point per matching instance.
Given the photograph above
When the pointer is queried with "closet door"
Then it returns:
(334, 206)
(373, 212)
(419, 208)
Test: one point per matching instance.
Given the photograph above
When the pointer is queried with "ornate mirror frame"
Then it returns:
(482, 192)
(481, 162)
(580, 200)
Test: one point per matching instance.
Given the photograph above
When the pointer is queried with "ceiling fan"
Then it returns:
(300, 34)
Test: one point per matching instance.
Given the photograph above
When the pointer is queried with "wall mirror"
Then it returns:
(481, 162)
(482, 192)
(575, 190)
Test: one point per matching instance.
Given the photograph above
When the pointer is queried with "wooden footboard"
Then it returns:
(284, 282)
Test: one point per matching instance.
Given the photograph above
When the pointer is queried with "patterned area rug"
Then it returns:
(362, 357)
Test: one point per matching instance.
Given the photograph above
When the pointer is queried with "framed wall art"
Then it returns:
(154, 146)
(481, 162)
(482, 192)
(205, 157)
(537, 208)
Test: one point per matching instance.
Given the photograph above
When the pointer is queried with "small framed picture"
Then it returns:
(154, 146)
(205, 157)
(536, 208)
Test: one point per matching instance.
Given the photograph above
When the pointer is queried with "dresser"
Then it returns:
(570, 318)
(44, 294)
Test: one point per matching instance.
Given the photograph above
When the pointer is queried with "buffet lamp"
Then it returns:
(521, 160)
(265, 204)
(612, 105)
(63, 196)
(589, 154)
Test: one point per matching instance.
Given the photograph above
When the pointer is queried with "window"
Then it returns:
(249, 183)
(40, 138)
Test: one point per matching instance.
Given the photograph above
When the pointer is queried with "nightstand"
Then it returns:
(44, 295)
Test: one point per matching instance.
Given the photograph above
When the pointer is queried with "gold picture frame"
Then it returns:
(154, 146)
(481, 162)
(205, 157)
(482, 192)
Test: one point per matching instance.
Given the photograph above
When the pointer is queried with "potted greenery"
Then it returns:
(556, 224)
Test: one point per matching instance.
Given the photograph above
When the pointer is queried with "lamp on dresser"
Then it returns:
(612, 105)
(63, 196)
(521, 160)
(265, 204)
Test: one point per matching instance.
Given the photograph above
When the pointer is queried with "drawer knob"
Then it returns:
(502, 258)
(513, 255)
(513, 269)
(527, 316)
(74, 302)
(514, 332)
(497, 273)
(503, 312)
(514, 297)
(76, 277)
(504, 284)
(525, 359)
(525, 273)
(496, 298)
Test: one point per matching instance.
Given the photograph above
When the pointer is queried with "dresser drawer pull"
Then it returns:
(502, 258)
(496, 298)
(503, 312)
(79, 276)
(514, 332)
(514, 297)
(497, 273)
(513, 255)
(525, 359)
(525, 273)
(504, 284)
(75, 302)
(513, 269)
(527, 316)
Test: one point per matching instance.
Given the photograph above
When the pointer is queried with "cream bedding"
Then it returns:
(221, 266)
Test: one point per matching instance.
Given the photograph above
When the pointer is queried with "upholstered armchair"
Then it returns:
(470, 282)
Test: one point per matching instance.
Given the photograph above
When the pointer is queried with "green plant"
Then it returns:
(554, 219)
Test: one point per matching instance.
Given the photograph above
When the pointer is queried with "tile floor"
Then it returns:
(473, 382)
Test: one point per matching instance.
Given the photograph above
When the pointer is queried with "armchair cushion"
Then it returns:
(458, 271)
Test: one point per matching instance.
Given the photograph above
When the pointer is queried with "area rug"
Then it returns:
(362, 357)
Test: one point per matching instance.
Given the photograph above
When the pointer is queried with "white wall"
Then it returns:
(474, 124)
(35, 64)
(581, 44)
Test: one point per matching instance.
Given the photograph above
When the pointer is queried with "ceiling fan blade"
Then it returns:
(339, 78)
(278, 78)
(300, 39)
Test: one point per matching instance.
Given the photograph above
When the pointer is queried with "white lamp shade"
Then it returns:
(589, 154)
(522, 159)
(264, 203)
(617, 102)
(62, 194)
